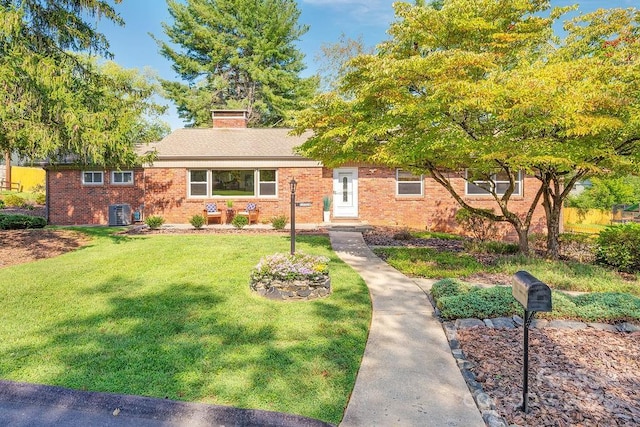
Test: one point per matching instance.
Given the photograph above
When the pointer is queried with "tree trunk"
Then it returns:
(7, 162)
(523, 240)
(553, 231)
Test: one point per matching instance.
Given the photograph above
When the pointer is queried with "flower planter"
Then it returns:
(293, 289)
(326, 216)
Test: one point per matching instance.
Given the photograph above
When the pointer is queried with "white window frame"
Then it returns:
(517, 191)
(123, 174)
(259, 182)
(93, 174)
(207, 174)
(412, 183)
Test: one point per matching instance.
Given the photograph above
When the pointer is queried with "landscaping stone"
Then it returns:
(285, 290)
(503, 322)
(468, 323)
(628, 327)
(567, 324)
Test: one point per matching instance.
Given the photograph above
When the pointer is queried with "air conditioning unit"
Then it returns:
(119, 214)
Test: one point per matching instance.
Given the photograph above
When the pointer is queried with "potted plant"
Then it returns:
(326, 205)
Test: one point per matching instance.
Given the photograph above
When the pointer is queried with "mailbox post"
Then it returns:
(534, 296)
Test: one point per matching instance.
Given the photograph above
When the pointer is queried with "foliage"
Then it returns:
(326, 203)
(229, 204)
(164, 321)
(154, 221)
(479, 227)
(487, 87)
(491, 247)
(1, 204)
(333, 60)
(279, 222)
(64, 106)
(456, 301)
(619, 247)
(606, 192)
(14, 201)
(40, 198)
(236, 54)
(298, 266)
(481, 303)
(240, 221)
(18, 222)
(197, 221)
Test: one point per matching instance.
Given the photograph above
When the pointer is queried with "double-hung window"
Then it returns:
(408, 184)
(198, 183)
(122, 177)
(93, 177)
(267, 183)
(499, 181)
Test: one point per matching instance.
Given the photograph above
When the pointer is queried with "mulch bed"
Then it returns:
(576, 377)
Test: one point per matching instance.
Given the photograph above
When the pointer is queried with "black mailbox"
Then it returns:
(533, 294)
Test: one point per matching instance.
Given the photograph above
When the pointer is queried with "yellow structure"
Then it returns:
(591, 216)
(28, 177)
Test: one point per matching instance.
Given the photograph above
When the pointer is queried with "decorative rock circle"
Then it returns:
(293, 290)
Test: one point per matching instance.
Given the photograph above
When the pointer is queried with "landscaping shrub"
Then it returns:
(279, 222)
(1, 204)
(14, 201)
(154, 221)
(197, 221)
(18, 222)
(478, 227)
(41, 198)
(404, 234)
(478, 302)
(239, 221)
(458, 301)
(619, 247)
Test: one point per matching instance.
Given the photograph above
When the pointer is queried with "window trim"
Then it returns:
(205, 182)
(275, 182)
(519, 184)
(398, 182)
(93, 172)
(209, 183)
(113, 181)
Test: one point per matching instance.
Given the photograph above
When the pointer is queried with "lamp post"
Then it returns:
(293, 185)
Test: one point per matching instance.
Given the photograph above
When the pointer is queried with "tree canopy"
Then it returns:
(62, 105)
(484, 89)
(236, 54)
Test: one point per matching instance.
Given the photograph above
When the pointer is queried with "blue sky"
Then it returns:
(328, 19)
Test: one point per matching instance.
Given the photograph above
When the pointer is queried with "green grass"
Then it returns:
(173, 316)
(562, 275)
(430, 263)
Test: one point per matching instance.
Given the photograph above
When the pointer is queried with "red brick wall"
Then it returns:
(165, 194)
(72, 203)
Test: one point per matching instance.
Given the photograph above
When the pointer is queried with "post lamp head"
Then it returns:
(293, 185)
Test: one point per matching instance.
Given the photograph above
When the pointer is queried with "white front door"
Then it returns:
(345, 193)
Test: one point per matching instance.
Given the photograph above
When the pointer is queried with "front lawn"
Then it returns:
(173, 316)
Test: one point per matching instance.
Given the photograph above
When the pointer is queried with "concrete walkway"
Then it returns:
(408, 376)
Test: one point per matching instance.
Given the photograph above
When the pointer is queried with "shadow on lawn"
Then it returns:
(174, 342)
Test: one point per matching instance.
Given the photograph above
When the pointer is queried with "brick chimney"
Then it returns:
(230, 118)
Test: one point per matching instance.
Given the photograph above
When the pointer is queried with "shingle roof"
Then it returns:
(229, 143)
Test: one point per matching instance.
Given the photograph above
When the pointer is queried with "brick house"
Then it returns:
(232, 162)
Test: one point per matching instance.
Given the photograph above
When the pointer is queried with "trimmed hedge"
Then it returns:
(20, 222)
(456, 300)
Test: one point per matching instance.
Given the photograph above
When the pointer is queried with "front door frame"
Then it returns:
(345, 194)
